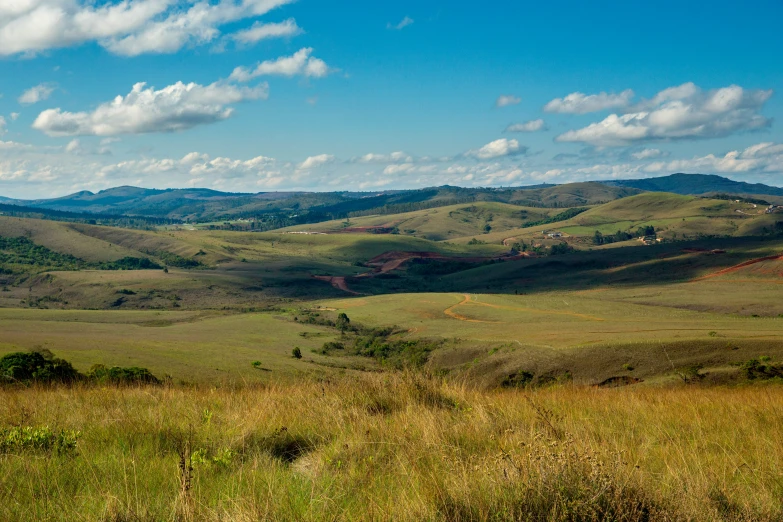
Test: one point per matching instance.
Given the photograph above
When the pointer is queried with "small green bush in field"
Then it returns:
(42, 439)
(296, 353)
(117, 375)
(203, 457)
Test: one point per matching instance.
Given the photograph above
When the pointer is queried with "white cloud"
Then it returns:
(685, 112)
(126, 27)
(498, 149)
(405, 22)
(173, 108)
(529, 126)
(2, 126)
(730, 162)
(398, 169)
(646, 154)
(14, 116)
(762, 150)
(73, 147)
(578, 103)
(299, 64)
(260, 31)
(394, 157)
(35, 94)
(313, 162)
(506, 100)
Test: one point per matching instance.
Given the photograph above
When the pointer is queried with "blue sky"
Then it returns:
(259, 95)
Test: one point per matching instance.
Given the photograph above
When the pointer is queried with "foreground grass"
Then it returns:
(395, 447)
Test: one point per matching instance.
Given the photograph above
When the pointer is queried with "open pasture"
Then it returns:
(189, 346)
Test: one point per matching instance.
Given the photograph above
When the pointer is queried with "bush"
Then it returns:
(42, 439)
(36, 366)
(296, 353)
(117, 375)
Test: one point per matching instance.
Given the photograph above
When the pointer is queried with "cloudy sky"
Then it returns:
(263, 95)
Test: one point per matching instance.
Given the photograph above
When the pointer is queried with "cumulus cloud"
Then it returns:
(313, 162)
(260, 31)
(579, 103)
(176, 107)
(506, 100)
(14, 116)
(300, 63)
(73, 147)
(528, 126)
(394, 157)
(35, 94)
(126, 27)
(646, 154)
(405, 22)
(498, 149)
(2, 126)
(684, 112)
(391, 170)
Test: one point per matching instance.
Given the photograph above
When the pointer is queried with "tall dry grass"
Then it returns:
(397, 447)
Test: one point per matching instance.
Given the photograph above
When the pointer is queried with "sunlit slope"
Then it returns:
(440, 223)
(673, 216)
(64, 239)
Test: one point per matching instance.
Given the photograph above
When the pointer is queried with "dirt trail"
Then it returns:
(468, 300)
(740, 266)
(451, 313)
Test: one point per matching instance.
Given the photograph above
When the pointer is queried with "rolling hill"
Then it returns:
(697, 184)
(438, 223)
(673, 216)
(292, 208)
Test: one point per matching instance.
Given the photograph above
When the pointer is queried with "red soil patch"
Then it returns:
(740, 266)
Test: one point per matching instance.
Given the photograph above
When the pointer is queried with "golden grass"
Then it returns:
(398, 447)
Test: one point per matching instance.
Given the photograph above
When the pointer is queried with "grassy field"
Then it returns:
(442, 223)
(588, 335)
(393, 447)
(673, 216)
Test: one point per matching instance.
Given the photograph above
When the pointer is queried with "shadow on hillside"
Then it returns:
(668, 263)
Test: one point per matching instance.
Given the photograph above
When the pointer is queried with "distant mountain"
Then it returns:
(290, 208)
(697, 184)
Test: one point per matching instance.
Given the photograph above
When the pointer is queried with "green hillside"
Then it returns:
(438, 224)
(674, 217)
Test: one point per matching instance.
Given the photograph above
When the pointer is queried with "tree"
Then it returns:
(40, 366)
(598, 238)
(342, 322)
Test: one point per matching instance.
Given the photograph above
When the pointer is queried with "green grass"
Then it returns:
(442, 223)
(186, 345)
(675, 216)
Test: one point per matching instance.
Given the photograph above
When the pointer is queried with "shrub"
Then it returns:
(43, 439)
(36, 366)
(117, 375)
(296, 353)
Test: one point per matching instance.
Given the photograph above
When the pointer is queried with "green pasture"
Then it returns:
(188, 346)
